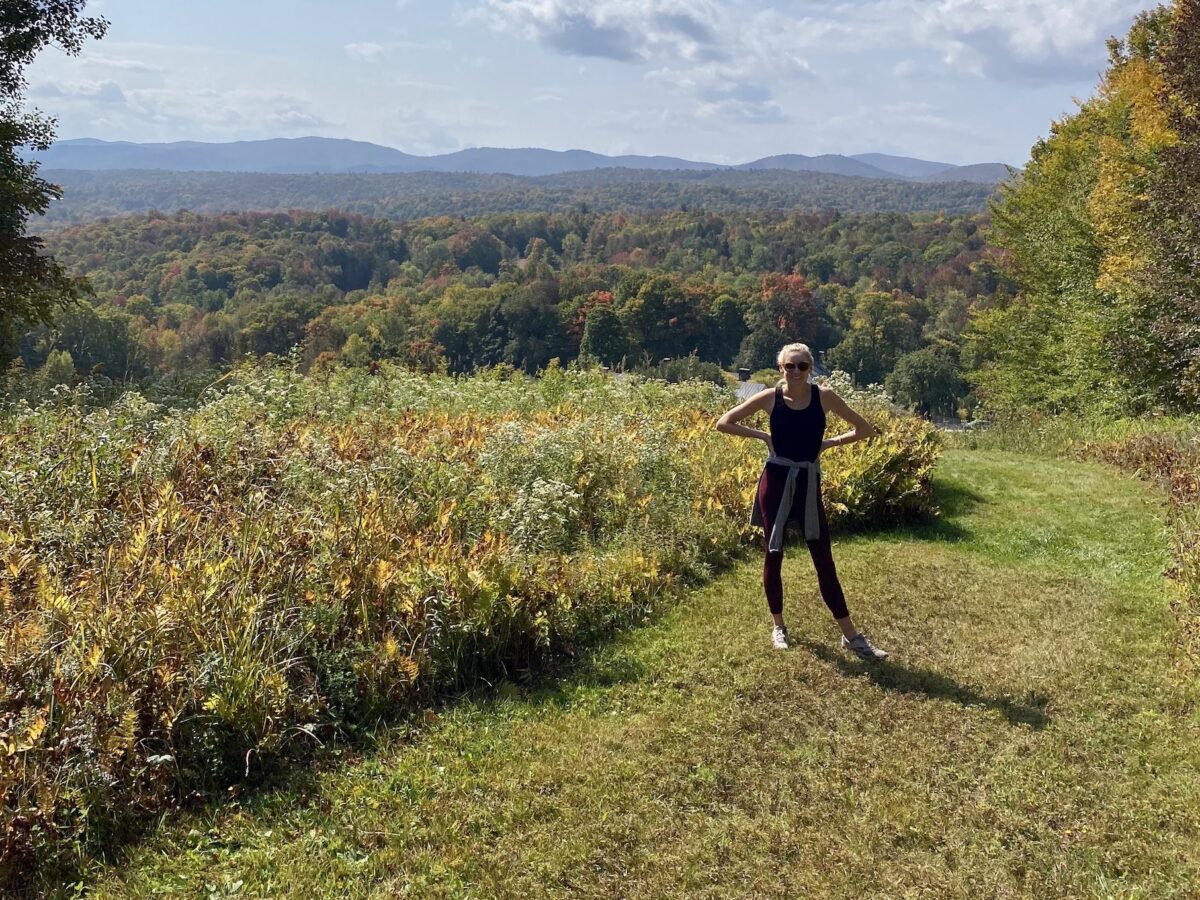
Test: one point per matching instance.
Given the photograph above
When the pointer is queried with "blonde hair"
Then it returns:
(796, 348)
(793, 348)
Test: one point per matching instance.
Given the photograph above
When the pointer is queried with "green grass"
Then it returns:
(1027, 739)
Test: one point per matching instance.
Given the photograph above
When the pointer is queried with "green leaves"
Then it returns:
(1097, 238)
(32, 285)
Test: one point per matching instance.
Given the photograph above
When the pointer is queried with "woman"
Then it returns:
(789, 488)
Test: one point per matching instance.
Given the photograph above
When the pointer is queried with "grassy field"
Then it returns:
(1030, 737)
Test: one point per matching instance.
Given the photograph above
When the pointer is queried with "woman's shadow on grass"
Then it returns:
(892, 676)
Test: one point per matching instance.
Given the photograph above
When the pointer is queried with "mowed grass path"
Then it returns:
(1029, 738)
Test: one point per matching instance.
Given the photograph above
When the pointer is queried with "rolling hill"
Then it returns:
(312, 155)
(90, 195)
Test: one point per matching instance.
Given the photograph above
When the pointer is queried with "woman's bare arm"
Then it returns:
(862, 429)
(760, 402)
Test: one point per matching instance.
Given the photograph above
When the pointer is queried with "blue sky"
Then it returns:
(953, 80)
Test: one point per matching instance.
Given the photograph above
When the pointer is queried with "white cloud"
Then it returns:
(366, 51)
(292, 120)
(709, 41)
(707, 79)
(622, 30)
(1005, 40)
(905, 128)
(749, 111)
(114, 62)
(108, 92)
(772, 65)
(371, 51)
(184, 113)
(429, 133)
(1031, 29)
(728, 59)
(1021, 40)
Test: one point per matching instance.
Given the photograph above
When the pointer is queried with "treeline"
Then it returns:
(92, 195)
(1103, 235)
(883, 295)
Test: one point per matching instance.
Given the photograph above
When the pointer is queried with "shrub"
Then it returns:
(687, 368)
(769, 377)
(887, 479)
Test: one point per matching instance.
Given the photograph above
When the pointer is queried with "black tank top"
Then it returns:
(796, 434)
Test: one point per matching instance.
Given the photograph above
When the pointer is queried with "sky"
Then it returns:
(957, 81)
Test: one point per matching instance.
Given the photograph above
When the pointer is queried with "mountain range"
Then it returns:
(333, 155)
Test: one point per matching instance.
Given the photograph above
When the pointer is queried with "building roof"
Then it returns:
(747, 389)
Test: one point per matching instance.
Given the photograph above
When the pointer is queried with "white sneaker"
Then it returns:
(863, 647)
(779, 637)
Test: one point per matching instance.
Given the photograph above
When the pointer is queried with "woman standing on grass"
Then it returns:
(790, 487)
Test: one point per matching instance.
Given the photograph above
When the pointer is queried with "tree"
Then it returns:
(574, 312)
(727, 329)
(603, 335)
(356, 351)
(1174, 201)
(884, 326)
(661, 320)
(59, 368)
(1131, 156)
(527, 320)
(100, 340)
(926, 381)
(786, 312)
(473, 247)
(32, 285)
(1079, 229)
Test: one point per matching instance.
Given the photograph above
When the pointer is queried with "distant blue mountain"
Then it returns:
(279, 155)
(534, 162)
(983, 173)
(323, 155)
(332, 155)
(904, 166)
(829, 164)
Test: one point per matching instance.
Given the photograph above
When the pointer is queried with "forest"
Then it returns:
(884, 296)
(92, 195)
(1103, 237)
(1074, 292)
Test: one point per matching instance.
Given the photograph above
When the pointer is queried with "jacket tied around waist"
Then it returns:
(812, 521)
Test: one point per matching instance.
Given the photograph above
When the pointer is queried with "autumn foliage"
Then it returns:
(1102, 236)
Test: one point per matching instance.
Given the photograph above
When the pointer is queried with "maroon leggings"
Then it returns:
(770, 489)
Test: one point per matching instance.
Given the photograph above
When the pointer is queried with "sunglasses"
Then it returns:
(796, 367)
